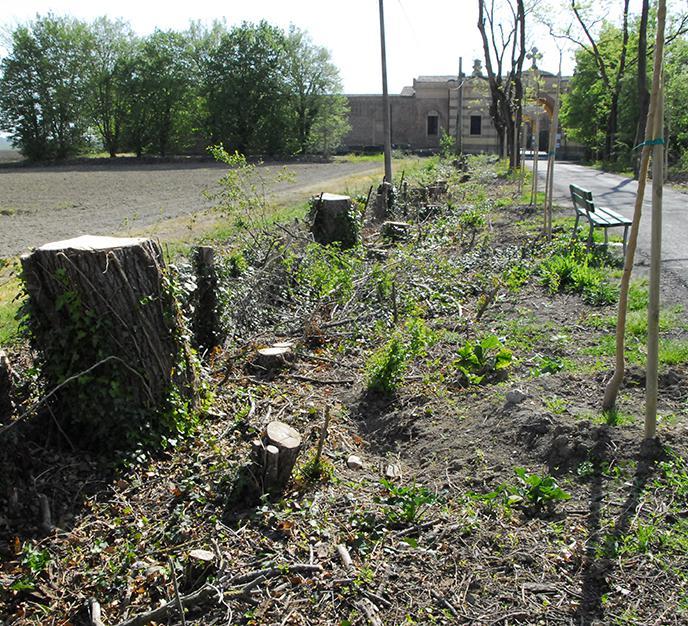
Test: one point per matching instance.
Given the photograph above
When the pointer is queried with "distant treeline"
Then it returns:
(67, 86)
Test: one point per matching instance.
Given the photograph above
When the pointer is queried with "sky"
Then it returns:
(423, 36)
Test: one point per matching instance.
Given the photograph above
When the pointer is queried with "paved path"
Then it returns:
(618, 193)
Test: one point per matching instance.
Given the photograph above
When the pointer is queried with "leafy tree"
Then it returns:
(329, 125)
(112, 46)
(166, 83)
(312, 82)
(44, 88)
(676, 96)
(245, 90)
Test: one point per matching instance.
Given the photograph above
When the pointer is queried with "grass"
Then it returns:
(377, 157)
(9, 305)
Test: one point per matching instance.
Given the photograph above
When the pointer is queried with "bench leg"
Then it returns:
(606, 238)
(575, 227)
(590, 235)
(625, 238)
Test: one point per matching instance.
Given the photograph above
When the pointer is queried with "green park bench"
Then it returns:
(598, 217)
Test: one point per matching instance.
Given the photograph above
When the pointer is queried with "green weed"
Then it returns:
(478, 361)
(406, 504)
(385, 368)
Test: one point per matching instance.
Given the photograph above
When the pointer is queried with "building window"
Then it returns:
(433, 124)
(476, 124)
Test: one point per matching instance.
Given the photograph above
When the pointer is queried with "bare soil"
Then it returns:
(614, 552)
(39, 204)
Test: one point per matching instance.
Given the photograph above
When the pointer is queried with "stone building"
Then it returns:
(435, 105)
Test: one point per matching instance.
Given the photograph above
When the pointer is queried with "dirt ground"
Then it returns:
(39, 204)
(453, 537)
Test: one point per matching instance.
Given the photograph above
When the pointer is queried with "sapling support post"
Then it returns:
(614, 383)
(655, 266)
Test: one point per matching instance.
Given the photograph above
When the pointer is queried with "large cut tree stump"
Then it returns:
(275, 456)
(106, 305)
(6, 404)
(334, 220)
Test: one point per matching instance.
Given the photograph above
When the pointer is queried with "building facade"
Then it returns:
(460, 107)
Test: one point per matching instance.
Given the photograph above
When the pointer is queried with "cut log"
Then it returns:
(106, 303)
(396, 231)
(274, 357)
(335, 220)
(6, 375)
(206, 319)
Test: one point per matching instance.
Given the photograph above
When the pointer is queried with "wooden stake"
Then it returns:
(612, 388)
(655, 264)
(536, 158)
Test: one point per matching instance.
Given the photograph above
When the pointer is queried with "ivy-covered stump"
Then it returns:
(104, 319)
(6, 405)
(335, 220)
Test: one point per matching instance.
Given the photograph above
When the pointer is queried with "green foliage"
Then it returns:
(535, 493)
(586, 107)
(316, 469)
(34, 561)
(482, 360)
(447, 145)
(327, 271)
(574, 271)
(538, 491)
(547, 365)
(420, 337)
(259, 89)
(44, 87)
(406, 504)
(385, 368)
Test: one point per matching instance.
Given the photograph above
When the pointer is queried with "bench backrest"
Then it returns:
(582, 198)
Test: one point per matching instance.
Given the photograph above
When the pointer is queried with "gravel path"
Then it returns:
(48, 203)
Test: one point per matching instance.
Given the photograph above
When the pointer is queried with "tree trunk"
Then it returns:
(643, 92)
(612, 388)
(106, 304)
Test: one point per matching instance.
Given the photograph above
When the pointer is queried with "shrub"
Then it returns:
(385, 368)
(572, 272)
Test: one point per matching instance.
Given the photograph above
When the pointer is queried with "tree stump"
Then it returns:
(276, 456)
(205, 322)
(273, 358)
(106, 305)
(384, 201)
(6, 404)
(334, 220)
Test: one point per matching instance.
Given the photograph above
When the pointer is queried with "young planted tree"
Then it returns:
(652, 135)
(504, 47)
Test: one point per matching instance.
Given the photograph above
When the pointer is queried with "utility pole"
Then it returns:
(385, 101)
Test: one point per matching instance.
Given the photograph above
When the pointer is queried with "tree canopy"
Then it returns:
(68, 84)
